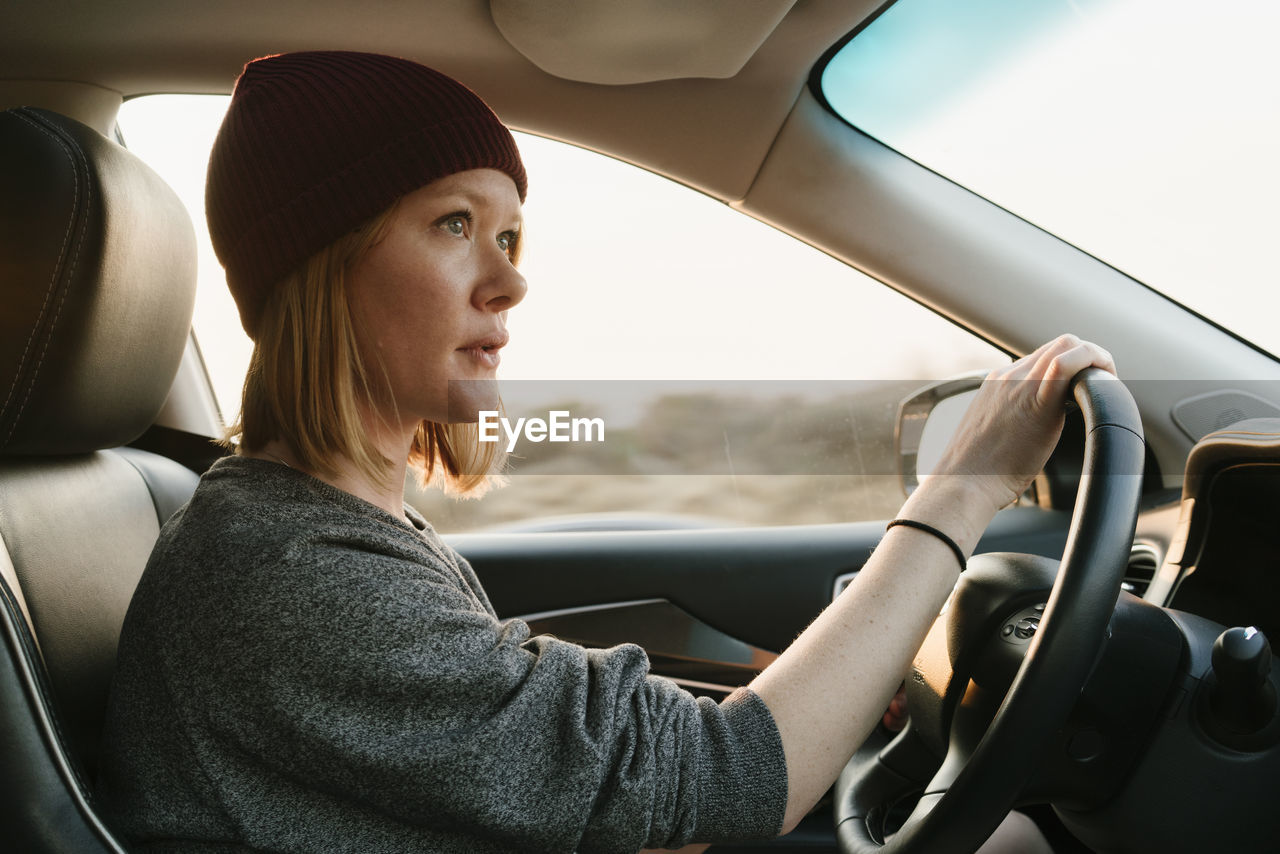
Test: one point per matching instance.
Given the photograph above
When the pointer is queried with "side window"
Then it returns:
(675, 362)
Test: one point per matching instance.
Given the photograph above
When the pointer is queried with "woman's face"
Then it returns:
(430, 299)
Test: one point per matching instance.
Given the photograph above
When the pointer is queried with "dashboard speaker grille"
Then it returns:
(1200, 415)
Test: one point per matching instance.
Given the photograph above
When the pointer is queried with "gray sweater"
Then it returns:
(299, 671)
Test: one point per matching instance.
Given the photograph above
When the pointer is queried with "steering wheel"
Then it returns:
(986, 766)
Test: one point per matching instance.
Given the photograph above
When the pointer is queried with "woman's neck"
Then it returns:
(387, 494)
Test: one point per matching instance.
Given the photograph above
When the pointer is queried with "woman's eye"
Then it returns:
(507, 242)
(456, 225)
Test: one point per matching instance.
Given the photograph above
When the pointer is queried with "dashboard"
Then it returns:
(1223, 559)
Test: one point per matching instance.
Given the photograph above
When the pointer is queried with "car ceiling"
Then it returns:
(711, 70)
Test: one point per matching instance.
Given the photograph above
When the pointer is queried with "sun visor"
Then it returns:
(638, 41)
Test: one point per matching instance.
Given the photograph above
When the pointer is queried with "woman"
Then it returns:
(306, 666)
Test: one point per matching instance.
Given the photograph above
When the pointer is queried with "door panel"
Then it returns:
(759, 586)
(703, 660)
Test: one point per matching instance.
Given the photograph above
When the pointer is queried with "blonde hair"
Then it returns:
(307, 384)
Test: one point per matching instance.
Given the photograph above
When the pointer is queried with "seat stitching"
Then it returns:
(70, 274)
(61, 252)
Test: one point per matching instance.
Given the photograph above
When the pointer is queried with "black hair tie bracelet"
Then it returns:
(929, 529)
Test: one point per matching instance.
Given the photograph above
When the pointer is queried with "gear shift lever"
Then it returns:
(1241, 698)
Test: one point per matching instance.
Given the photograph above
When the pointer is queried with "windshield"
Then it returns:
(1145, 132)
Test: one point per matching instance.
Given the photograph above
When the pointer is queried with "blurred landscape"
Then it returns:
(755, 455)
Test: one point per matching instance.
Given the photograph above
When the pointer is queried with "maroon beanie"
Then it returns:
(315, 144)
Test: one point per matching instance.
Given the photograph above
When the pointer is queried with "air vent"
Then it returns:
(1144, 560)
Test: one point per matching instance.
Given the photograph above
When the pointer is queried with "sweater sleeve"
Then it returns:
(389, 682)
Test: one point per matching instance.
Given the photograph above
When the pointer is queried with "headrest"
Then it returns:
(97, 283)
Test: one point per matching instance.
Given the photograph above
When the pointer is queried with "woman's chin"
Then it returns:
(468, 398)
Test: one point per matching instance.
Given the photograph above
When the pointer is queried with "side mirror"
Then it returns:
(926, 422)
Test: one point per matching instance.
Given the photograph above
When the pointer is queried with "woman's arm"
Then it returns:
(830, 687)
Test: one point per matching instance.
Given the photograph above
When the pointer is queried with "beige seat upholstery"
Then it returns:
(97, 281)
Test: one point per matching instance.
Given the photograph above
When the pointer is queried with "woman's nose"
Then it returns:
(504, 288)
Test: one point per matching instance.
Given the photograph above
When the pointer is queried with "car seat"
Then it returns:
(97, 283)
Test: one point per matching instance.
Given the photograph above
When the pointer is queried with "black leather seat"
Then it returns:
(97, 282)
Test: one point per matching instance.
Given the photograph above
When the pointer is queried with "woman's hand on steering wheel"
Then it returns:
(1006, 436)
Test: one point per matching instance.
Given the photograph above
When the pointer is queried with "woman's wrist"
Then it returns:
(961, 506)
(942, 536)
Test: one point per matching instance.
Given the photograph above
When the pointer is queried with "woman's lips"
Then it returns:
(486, 356)
(485, 350)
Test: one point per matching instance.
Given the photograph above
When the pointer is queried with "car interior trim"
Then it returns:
(640, 41)
(95, 106)
(191, 405)
(1252, 446)
(842, 581)
(695, 651)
